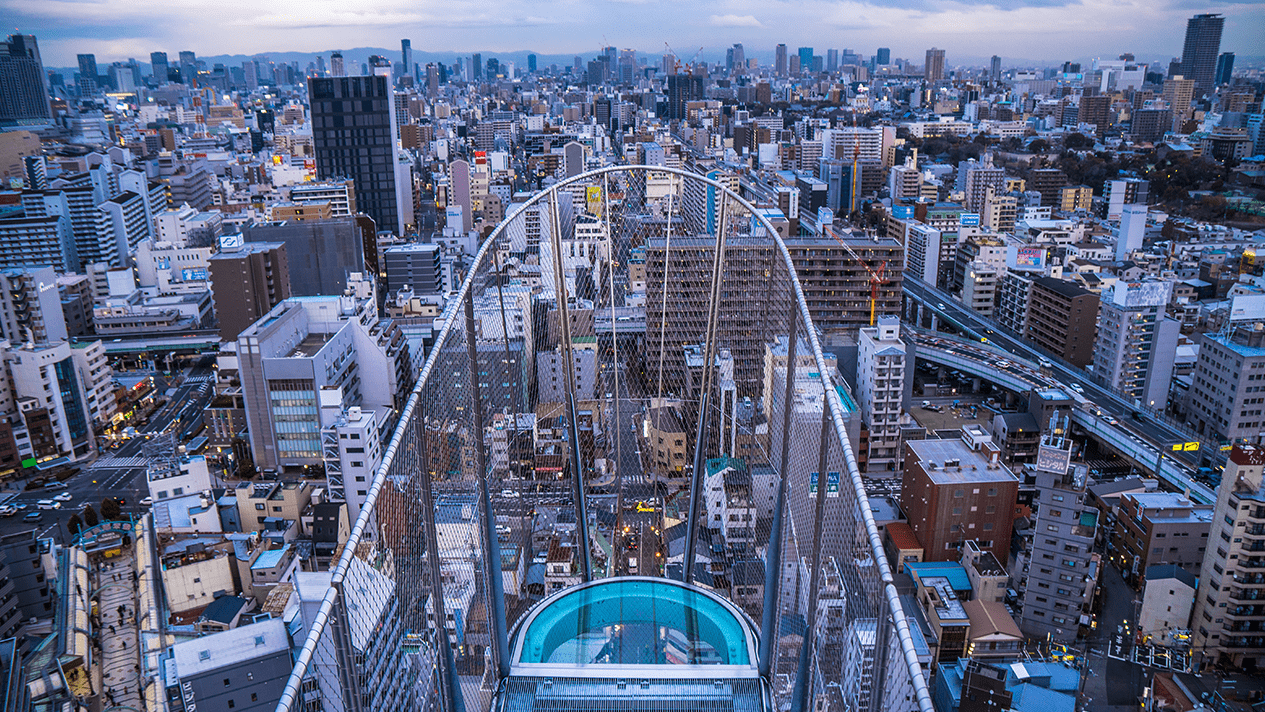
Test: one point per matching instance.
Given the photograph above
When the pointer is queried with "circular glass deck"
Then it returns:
(634, 621)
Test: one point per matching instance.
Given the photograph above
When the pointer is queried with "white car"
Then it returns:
(64, 497)
(1076, 387)
(510, 494)
(48, 504)
(8, 510)
(148, 501)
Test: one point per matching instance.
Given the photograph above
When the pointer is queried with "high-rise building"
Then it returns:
(476, 67)
(336, 68)
(805, 58)
(1225, 68)
(881, 390)
(23, 83)
(979, 180)
(1119, 193)
(994, 68)
(247, 281)
(1061, 319)
(779, 60)
(330, 250)
(188, 66)
(832, 60)
(30, 306)
(89, 75)
(1131, 231)
(839, 292)
(1226, 387)
(356, 139)
(158, 67)
(1062, 566)
(933, 71)
(682, 89)
(1135, 344)
(406, 57)
(1228, 617)
(958, 489)
(883, 56)
(1179, 92)
(1202, 47)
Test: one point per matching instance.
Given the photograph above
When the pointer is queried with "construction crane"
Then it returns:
(677, 58)
(878, 277)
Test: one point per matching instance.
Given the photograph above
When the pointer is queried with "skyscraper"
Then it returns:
(740, 59)
(779, 62)
(1225, 68)
(188, 66)
(1203, 44)
(365, 153)
(934, 70)
(88, 77)
(883, 56)
(805, 58)
(832, 60)
(476, 67)
(158, 63)
(531, 63)
(23, 84)
(406, 57)
(336, 65)
(994, 68)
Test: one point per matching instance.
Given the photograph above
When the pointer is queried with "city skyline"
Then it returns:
(115, 31)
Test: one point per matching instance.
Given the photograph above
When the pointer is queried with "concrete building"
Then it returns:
(955, 490)
(30, 306)
(1119, 193)
(244, 668)
(26, 95)
(837, 287)
(1227, 622)
(38, 241)
(304, 346)
(1168, 598)
(1136, 342)
(1062, 567)
(247, 281)
(415, 265)
(351, 446)
(979, 287)
(1155, 528)
(1228, 386)
(22, 553)
(97, 376)
(1130, 232)
(1062, 318)
(50, 401)
(881, 390)
(980, 180)
(320, 254)
(186, 227)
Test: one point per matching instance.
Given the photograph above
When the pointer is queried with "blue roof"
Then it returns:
(270, 559)
(956, 573)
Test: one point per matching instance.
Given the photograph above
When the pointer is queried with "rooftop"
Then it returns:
(971, 465)
(231, 647)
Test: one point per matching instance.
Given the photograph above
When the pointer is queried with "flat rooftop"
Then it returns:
(972, 465)
(310, 345)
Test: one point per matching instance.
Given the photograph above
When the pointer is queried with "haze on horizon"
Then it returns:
(1041, 30)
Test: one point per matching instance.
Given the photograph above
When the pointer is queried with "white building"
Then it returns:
(96, 376)
(352, 449)
(185, 226)
(881, 390)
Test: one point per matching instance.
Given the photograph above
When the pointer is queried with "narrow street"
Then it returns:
(1114, 685)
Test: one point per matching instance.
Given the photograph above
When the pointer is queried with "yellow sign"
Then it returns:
(1185, 447)
(1225, 448)
(593, 197)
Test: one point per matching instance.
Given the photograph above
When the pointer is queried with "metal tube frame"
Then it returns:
(290, 695)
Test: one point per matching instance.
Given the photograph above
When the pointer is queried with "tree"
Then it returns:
(75, 525)
(1039, 145)
(110, 509)
(90, 517)
(1077, 141)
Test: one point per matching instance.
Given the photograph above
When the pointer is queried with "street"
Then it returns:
(120, 473)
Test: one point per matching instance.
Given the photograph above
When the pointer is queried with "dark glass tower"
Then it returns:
(1203, 45)
(351, 130)
(23, 84)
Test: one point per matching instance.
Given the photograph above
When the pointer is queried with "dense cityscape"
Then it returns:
(791, 379)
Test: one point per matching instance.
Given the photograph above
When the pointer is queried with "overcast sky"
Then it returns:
(1032, 29)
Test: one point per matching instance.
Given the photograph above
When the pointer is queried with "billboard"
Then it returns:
(903, 212)
(968, 220)
(593, 199)
(1248, 307)
(1025, 257)
(193, 274)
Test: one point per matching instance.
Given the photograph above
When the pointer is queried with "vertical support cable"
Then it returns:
(773, 558)
(348, 670)
(709, 356)
(450, 690)
(617, 426)
(491, 544)
(573, 424)
(803, 687)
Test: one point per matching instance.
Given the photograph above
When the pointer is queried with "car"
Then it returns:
(510, 494)
(64, 497)
(1004, 364)
(1077, 387)
(55, 485)
(8, 510)
(32, 517)
(146, 502)
(48, 504)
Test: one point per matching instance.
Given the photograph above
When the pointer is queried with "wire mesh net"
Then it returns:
(627, 384)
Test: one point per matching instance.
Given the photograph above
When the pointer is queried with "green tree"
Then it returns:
(1039, 146)
(90, 517)
(110, 509)
(1078, 141)
(75, 525)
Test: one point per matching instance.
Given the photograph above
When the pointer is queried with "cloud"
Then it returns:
(733, 21)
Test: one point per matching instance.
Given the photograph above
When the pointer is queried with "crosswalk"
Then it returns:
(115, 463)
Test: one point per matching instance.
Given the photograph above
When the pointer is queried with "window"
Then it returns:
(259, 507)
